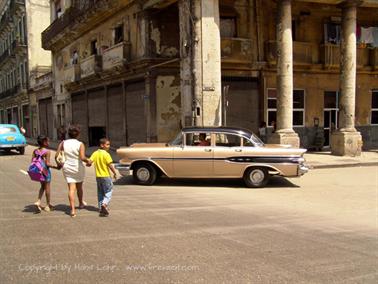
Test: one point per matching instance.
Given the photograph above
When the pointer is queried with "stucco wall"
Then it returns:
(168, 105)
(38, 19)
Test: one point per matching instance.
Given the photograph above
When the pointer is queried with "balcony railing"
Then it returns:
(116, 55)
(72, 74)
(236, 50)
(302, 52)
(16, 5)
(59, 25)
(10, 92)
(90, 65)
(7, 54)
(330, 56)
(69, 16)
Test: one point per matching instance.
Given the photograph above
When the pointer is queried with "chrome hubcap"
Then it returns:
(256, 176)
(143, 174)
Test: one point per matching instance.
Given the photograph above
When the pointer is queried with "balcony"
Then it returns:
(330, 56)
(17, 5)
(374, 58)
(72, 74)
(116, 55)
(90, 65)
(59, 25)
(238, 50)
(81, 16)
(7, 55)
(302, 52)
(10, 92)
(5, 20)
(18, 48)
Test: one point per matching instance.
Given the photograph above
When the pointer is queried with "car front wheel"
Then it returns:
(256, 177)
(144, 174)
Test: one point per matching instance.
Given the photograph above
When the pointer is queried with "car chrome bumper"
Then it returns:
(302, 169)
(12, 146)
(124, 170)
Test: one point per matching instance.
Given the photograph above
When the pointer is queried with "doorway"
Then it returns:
(95, 134)
(331, 115)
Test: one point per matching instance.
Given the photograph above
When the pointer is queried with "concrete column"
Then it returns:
(206, 63)
(346, 141)
(284, 133)
(185, 63)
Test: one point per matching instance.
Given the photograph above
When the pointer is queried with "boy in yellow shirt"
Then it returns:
(103, 162)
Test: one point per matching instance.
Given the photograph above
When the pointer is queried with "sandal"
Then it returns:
(73, 214)
(82, 206)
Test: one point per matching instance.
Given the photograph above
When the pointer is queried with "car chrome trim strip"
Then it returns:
(242, 159)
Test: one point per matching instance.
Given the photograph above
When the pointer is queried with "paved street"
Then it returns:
(321, 228)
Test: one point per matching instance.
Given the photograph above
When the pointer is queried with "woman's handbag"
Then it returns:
(60, 157)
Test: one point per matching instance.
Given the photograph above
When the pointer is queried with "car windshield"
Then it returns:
(177, 140)
(256, 140)
(4, 130)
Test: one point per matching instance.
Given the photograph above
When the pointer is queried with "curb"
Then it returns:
(332, 166)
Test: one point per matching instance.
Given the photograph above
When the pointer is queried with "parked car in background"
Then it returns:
(11, 138)
(211, 152)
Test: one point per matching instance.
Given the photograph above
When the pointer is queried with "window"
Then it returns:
(118, 34)
(374, 107)
(94, 47)
(298, 107)
(75, 57)
(227, 140)
(227, 27)
(332, 33)
(198, 139)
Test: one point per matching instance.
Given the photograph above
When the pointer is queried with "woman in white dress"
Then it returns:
(73, 168)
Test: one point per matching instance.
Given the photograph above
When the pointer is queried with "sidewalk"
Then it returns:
(324, 160)
(315, 160)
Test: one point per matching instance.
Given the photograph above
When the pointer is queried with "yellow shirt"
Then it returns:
(101, 159)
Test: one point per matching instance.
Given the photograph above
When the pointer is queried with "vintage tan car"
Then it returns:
(211, 152)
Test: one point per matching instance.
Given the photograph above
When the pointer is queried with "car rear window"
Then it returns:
(4, 130)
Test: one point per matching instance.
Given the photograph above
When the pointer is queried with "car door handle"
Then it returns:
(207, 150)
(238, 150)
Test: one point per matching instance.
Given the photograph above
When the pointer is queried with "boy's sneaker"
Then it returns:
(104, 210)
(48, 208)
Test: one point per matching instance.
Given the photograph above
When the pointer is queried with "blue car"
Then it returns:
(12, 138)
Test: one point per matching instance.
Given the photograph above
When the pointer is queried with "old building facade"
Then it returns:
(140, 70)
(22, 22)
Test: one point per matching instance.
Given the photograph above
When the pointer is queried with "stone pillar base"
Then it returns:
(287, 138)
(346, 143)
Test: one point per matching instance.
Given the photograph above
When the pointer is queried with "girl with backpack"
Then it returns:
(41, 161)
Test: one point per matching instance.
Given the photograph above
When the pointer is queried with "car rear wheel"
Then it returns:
(21, 150)
(144, 174)
(256, 177)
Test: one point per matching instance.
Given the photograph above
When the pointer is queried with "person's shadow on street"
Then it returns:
(67, 209)
(31, 208)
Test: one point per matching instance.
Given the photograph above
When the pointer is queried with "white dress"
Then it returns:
(73, 168)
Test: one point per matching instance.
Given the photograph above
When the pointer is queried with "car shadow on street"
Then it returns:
(8, 153)
(274, 182)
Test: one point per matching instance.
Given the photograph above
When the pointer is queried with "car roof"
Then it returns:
(8, 125)
(219, 129)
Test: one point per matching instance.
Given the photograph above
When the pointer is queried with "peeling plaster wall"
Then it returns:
(165, 33)
(168, 104)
